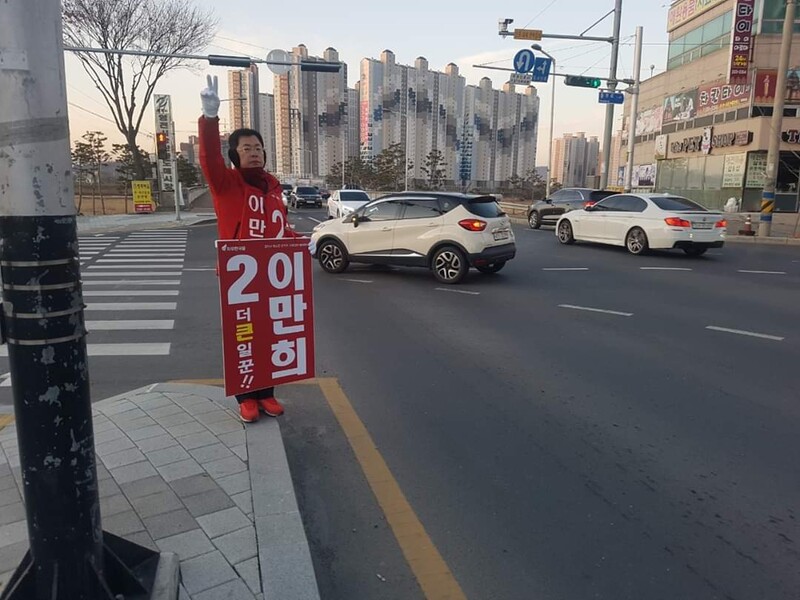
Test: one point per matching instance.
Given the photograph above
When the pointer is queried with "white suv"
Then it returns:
(446, 233)
(343, 202)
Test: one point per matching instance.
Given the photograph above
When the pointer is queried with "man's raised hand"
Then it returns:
(209, 97)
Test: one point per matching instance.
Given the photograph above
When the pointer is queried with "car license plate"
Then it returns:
(500, 235)
(702, 225)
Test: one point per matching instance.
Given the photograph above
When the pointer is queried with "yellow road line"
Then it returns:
(432, 573)
(6, 420)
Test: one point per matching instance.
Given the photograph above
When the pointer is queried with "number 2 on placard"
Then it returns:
(249, 265)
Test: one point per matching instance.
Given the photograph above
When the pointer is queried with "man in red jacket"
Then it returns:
(248, 202)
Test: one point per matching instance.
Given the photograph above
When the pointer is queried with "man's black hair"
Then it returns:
(233, 143)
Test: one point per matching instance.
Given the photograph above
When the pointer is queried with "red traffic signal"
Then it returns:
(162, 145)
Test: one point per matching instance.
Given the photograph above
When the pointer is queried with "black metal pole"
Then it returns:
(69, 557)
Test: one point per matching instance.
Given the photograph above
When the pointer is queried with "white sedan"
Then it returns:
(645, 221)
(345, 202)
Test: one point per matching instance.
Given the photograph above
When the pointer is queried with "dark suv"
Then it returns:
(305, 195)
(548, 211)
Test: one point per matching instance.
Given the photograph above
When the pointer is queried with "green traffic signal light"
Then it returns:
(580, 81)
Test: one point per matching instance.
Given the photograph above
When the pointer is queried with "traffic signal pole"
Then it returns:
(69, 556)
(612, 85)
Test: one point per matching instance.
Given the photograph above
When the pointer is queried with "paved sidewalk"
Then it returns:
(174, 476)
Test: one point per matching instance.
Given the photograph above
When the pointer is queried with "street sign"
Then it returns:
(541, 69)
(611, 98)
(524, 61)
(528, 34)
(520, 78)
(279, 56)
(267, 312)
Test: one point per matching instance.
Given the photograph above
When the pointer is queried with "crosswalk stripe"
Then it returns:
(140, 260)
(154, 253)
(130, 325)
(137, 266)
(131, 274)
(123, 293)
(129, 349)
(120, 306)
(133, 282)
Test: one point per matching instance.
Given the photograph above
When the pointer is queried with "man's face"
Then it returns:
(250, 151)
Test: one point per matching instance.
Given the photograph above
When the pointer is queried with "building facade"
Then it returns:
(703, 126)
(576, 160)
(243, 98)
(484, 135)
(266, 119)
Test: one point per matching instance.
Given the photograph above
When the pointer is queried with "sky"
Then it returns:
(442, 31)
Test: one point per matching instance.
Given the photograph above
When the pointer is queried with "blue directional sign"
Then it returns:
(541, 69)
(524, 61)
(611, 98)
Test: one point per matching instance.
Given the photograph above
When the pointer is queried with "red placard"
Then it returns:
(266, 297)
(741, 41)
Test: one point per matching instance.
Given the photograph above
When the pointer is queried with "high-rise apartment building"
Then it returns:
(243, 98)
(576, 160)
(484, 135)
(266, 119)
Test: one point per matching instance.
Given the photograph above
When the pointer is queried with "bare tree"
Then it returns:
(154, 26)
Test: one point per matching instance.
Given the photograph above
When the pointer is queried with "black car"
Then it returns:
(305, 195)
(548, 211)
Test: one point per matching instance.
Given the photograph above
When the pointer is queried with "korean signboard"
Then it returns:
(687, 10)
(741, 41)
(765, 83)
(644, 176)
(708, 141)
(720, 96)
(734, 170)
(756, 170)
(267, 313)
(163, 110)
(680, 107)
(142, 197)
(661, 146)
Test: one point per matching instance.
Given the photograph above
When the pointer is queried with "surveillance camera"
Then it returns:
(502, 25)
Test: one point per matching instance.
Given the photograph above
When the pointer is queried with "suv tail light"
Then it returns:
(721, 224)
(677, 222)
(589, 203)
(473, 224)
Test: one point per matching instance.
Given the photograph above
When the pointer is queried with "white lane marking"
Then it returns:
(763, 272)
(596, 310)
(313, 219)
(127, 266)
(358, 280)
(151, 388)
(566, 269)
(6, 377)
(120, 306)
(133, 282)
(664, 269)
(131, 274)
(466, 292)
(130, 325)
(138, 254)
(141, 260)
(764, 336)
(206, 269)
(123, 293)
(132, 349)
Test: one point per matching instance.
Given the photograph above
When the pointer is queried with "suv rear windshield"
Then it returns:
(676, 204)
(307, 190)
(353, 196)
(485, 206)
(599, 195)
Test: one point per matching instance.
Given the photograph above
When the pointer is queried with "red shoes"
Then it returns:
(271, 407)
(248, 410)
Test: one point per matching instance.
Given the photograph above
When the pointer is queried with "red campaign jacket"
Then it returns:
(243, 211)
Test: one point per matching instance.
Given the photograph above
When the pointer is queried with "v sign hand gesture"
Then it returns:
(210, 97)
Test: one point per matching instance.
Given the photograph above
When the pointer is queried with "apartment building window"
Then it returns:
(701, 41)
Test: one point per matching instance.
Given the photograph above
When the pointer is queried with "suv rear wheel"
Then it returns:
(449, 265)
(332, 257)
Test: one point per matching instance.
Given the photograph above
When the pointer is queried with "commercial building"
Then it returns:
(703, 126)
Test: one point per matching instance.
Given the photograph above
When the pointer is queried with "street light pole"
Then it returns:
(637, 68)
(548, 184)
(774, 151)
(612, 85)
(69, 556)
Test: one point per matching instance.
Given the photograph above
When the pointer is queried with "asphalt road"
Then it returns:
(554, 452)
(551, 451)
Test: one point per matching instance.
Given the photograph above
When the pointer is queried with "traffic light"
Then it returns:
(580, 81)
(162, 143)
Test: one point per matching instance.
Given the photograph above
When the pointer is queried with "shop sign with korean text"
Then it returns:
(267, 313)
(734, 170)
(719, 96)
(142, 197)
(741, 41)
